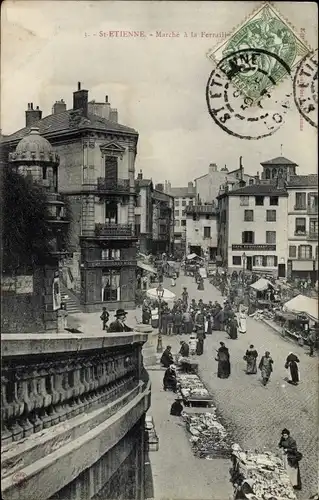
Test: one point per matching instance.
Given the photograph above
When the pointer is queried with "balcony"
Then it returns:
(69, 399)
(312, 236)
(111, 231)
(255, 247)
(109, 263)
(299, 208)
(201, 209)
(107, 186)
(300, 232)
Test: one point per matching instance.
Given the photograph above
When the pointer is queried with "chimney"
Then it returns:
(212, 168)
(113, 115)
(80, 99)
(140, 175)
(106, 98)
(257, 178)
(58, 107)
(159, 187)
(32, 115)
(241, 168)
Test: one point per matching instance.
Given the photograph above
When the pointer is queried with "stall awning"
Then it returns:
(261, 285)
(191, 256)
(146, 267)
(303, 304)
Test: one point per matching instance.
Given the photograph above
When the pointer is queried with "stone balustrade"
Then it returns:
(57, 384)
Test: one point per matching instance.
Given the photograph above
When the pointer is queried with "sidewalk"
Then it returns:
(177, 473)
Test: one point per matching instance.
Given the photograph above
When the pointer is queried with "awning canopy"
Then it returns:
(193, 256)
(303, 304)
(146, 267)
(261, 285)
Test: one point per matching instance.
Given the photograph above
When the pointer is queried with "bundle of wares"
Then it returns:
(191, 386)
(209, 438)
(260, 476)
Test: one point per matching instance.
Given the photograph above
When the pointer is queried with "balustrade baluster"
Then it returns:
(6, 412)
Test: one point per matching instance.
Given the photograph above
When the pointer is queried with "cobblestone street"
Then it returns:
(256, 414)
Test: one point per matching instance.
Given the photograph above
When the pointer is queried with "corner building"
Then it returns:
(97, 171)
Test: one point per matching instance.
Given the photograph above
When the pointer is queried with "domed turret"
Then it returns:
(34, 148)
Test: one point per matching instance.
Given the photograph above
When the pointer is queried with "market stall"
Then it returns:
(262, 293)
(259, 476)
(303, 304)
(193, 391)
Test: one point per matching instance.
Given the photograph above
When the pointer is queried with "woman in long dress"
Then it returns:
(291, 363)
(242, 322)
(251, 360)
(200, 337)
(200, 284)
(291, 458)
(232, 328)
(223, 370)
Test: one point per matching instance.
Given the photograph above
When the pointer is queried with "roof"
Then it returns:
(70, 120)
(144, 182)
(303, 304)
(181, 192)
(303, 181)
(280, 160)
(257, 189)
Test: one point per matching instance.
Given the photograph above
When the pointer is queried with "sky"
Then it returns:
(156, 83)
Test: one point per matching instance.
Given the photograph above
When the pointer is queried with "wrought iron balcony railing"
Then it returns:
(312, 235)
(116, 186)
(114, 230)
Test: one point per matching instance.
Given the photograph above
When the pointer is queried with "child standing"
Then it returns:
(192, 344)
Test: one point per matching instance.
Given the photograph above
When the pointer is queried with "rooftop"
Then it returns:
(65, 121)
(258, 190)
(182, 192)
(280, 160)
(310, 180)
(144, 182)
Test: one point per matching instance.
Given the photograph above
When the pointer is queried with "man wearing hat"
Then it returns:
(118, 325)
(177, 407)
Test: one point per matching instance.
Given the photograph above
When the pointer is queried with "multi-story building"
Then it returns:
(97, 166)
(303, 226)
(201, 230)
(163, 221)
(207, 185)
(144, 213)
(183, 196)
(253, 228)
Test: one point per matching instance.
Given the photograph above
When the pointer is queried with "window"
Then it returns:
(292, 251)
(271, 261)
(111, 170)
(267, 173)
(176, 213)
(176, 223)
(313, 226)
(244, 201)
(207, 232)
(138, 201)
(313, 202)
(137, 230)
(300, 201)
(249, 215)
(258, 260)
(271, 237)
(111, 254)
(183, 222)
(111, 286)
(273, 200)
(248, 237)
(191, 203)
(305, 252)
(110, 212)
(259, 200)
(176, 203)
(184, 203)
(300, 227)
(207, 217)
(273, 173)
(236, 260)
(251, 182)
(183, 213)
(271, 215)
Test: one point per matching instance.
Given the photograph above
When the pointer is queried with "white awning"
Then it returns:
(261, 285)
(146, 267)
(303, 304)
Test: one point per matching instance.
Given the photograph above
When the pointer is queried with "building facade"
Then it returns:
(144, 214)
(202, 230)
(303, 226)
(252, 231)
(183, 196)
(97, 173)
(163, 221)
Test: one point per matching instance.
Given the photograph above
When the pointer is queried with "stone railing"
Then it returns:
(55, 390)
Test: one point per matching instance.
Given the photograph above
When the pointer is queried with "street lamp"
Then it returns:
(244, 262)
(160, 293)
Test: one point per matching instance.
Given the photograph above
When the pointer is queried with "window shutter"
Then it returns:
(253, 237)
(264, 261)
(243, 237)
(276, 261)
(254, 261)
(299, 252)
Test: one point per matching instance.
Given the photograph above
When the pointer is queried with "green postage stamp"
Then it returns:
(267, 31)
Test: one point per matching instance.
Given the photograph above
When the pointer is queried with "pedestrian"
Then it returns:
(251, 360)
(200, 284)
(265, 366)
(177, 407)
(184, 350)
(104, 318)
(291, 458)
(291, 364)
(178, 322)
(187, 323)
(173, 279)
(169, 379)
(209, 329)
(223, 358)
(185, 295)
(192, 344)
(232, 328)
(170, 322)
(167, 357)
(164, 316)
(312, 339)
(119, 325)
(146, 315)
(242, 321)
(200, 340)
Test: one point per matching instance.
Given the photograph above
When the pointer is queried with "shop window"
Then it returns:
(244, 201)
(248, 237)
(236, 260)
(271, 215)
(273, 200)
(271, 237)
(292, 251)
(258, 260)
(111, 286)
(300, 201)
(259, 201)
(207, 232)
(305, 252)
(271, 261)
(183, 222)
(300, 226)
(249, 215)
